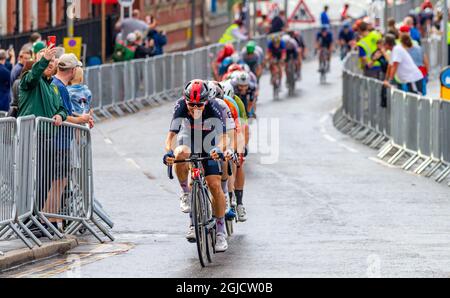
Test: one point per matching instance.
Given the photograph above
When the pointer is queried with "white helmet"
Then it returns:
(242, 78)
(212, 88)
(228, 88)
(235, 57)
(246, 68)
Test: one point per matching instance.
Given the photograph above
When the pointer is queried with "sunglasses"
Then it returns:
(196, 105)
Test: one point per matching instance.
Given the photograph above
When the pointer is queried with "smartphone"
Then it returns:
(51, 41)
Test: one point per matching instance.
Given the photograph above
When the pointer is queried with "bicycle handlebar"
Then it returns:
(198, 159)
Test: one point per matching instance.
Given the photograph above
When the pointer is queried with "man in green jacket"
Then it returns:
(37, 95)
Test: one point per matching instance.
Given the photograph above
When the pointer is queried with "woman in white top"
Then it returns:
(402, 67)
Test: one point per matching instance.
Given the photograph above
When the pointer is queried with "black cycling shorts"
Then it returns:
(211, 168)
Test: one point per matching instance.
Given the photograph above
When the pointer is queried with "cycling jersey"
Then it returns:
(194, 132)
(253, 60)
(325, 41)
(291, 49)
(347, 37)
(226, 114)
(249, 96)
(276, 52)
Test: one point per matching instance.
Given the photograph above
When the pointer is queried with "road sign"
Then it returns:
(302, 14)
(73, 45)
(445, 83)
(126, 3)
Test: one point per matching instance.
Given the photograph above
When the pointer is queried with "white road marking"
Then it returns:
(348, 148)
(329, 138)
(323, 119)
(131, 161)
(108, 141)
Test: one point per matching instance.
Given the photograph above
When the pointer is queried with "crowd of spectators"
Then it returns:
(138, 38)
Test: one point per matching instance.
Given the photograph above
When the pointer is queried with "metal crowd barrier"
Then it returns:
(46, 175)
(409, 130)
(2, 114)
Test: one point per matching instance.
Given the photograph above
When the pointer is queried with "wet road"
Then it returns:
(325, 208)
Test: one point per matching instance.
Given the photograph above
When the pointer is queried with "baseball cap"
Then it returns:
(404, 29)
(38, 46)
(67, 61)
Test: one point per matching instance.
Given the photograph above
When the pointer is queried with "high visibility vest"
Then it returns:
(448, 33)
(227, 36)
(369, 45)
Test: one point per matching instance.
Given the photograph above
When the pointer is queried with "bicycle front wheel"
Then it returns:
(199, 218)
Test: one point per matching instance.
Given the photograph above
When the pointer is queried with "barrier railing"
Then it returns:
(409, 130)
(46, 175)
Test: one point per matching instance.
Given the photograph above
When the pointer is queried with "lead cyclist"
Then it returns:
(194, 115)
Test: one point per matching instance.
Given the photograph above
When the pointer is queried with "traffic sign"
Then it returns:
(445, 83)
(302, 14)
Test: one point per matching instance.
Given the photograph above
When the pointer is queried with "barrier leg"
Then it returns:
(393, 160)
(98, 210)
(3, 230)
(443, 175)
(20, 235)
(73, 228)
(423, 166)
(32, 236)
(105, 113)
(90, 229)
(377, 141)
(118, 110)
(51, 227)
(356, 130)
(434, 169)
(362, 134)
(103, 229)
(41, 227)
(410, 162)
(370, 138)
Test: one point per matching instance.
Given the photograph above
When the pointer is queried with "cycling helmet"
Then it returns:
(228, 49)
(250, 47)
(246, 68)
(212, 87)
(234, 67)
(228, 88)
(227, 62)
(196, 91)
(235, 58)
(219, 90)
(242, 78)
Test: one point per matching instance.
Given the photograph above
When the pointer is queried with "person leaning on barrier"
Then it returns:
(37, 95)
(367, 45)
(402, 67)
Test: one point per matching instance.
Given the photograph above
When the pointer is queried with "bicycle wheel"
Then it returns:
(210, 227)
(198, 217)
(290, 77)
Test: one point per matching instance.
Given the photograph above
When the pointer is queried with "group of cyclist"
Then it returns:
(211, 119)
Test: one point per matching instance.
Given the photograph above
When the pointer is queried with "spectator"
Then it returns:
(278, 23)
(426, 4)
(344, 13)
(5, 82)
(159, 38)
(367, 45)
(263, 26)
(413, 31)
(130, 25)
(124, 51)
(24, 56)
(392, 29)
(402, 66)
(34, 37)
(382, 57)
(419, 58)
(324, 19)
(37, 96)
(80, 95)
(37, 47)
(233, 32)
(14, 107)
(144, 49)
(67, 65)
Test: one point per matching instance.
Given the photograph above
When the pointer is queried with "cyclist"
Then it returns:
(230, 70)
(296, 35)
(246, 91)
(324, 42)
(227, 51)
(195, 120)
(276, 54)
(237, 182)
(346, 39)
(253, 56)
(292, 51)
(227, 62)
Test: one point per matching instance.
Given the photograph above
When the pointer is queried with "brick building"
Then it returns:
(174, 16)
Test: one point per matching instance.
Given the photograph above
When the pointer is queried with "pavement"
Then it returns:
(319, 203)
